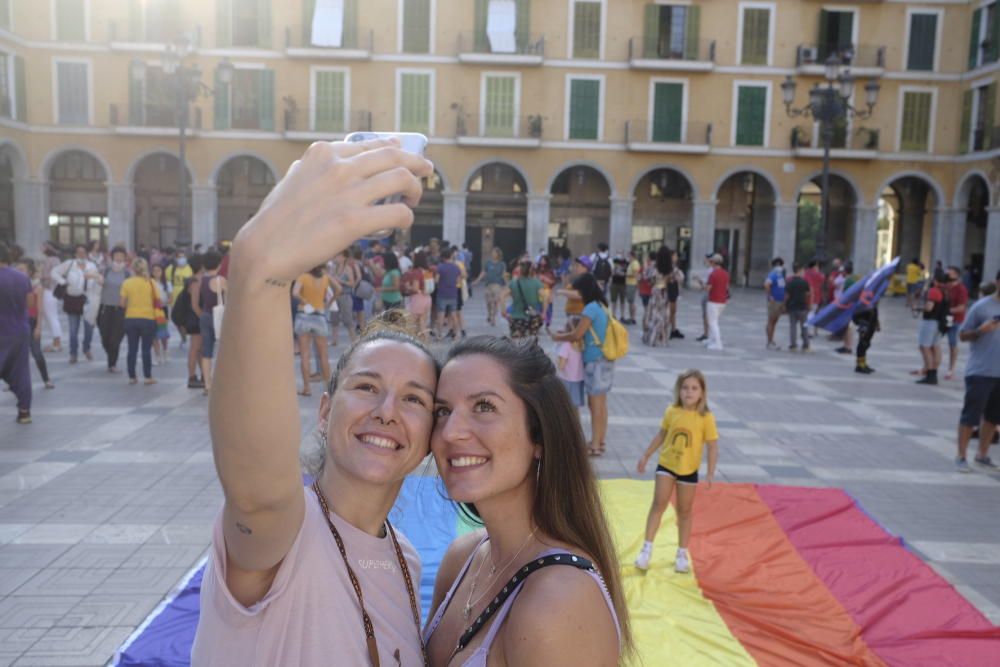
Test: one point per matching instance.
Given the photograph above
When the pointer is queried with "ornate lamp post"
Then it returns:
(187, 88)
(829, 105)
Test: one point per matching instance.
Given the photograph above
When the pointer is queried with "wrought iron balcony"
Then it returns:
(151, 119)
(355, 45)
(475, 47)
(651, 53)
(475, 129)
(652, 137)
(309, 124)
(862, 59)
(861, 143)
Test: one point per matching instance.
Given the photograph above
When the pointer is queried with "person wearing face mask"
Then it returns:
(111, 316)
(77, 275)
(177, 274)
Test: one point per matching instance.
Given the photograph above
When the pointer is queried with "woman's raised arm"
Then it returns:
(321, 206)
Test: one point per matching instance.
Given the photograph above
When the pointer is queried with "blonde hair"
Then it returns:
(140, 267)
(702, 406)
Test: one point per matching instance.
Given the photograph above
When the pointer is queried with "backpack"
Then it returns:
(602, 268)
(615, 343)
(182, 312)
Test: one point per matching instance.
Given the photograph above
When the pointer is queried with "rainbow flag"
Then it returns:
(781, 576)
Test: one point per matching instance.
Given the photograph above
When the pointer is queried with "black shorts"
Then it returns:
(192, 327)
(982, 400)
(681, 479)
(673, 291)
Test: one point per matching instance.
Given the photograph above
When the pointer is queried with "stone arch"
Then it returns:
(78, 196)
(18, 158)
(158, 221)
(483, 163)
(858, 197)
(663, 199)
(56, 153)
(924, 176)
(665, 165)
(965, 184)
(242, 182)
(747, 233)
(583, 163)
(13, 167)
(214, 177)
(762, 173)
(908, 201)
(580, 209)
(845, 197)
(130, 172)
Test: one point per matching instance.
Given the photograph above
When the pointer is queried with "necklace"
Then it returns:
(469, 604)
(407, 579)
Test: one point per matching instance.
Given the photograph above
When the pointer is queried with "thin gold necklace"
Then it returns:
(467, 611)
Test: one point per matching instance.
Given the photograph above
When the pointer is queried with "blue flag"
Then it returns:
(863, 294)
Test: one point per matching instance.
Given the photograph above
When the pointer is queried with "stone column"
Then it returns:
(620, 238)
(702, 231)
(865, 238)
(956, 237)
(204, 215)
(121, 215)
(538, 223)
(785, 221)
(991, 261)
(454, 218)
(940, 240)
(31, 215)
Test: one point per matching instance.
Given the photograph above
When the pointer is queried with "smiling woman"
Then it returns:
(509, 447)
(297, 575)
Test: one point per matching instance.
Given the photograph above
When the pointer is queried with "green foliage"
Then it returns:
(807, 230)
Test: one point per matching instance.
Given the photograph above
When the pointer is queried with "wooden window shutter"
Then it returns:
(586, 30)
(349, 38)
(584, 109)
(750, 106)
(755, 33)
(989, 122)
(415, 103)
(481, 44)
(993, 35)
(223, 23)
(977, 17)
(923, 31)
(668, 108)
(916, 121)
(966, 126)
(20, 90)
(845, 30)
(135, 23)
(266, 99)
(5, 14)
(692, 32)
(221, 113)
(70, 21)
(651, 31)
(522, 28)
(416, 26)
(308, 9)
(264, 23)
(330, 102)
(499, 112)
(136, 100)
(822, 37)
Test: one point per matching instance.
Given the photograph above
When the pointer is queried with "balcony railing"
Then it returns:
(352, 43)
(525, 131)
(690, 137)
(528, 48)
(857, 140)
(154, 36)
(652, 48)
(151, 118)
(858, 56)
(306, 121)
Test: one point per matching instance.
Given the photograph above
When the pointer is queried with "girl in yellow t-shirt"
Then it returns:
(686, 428)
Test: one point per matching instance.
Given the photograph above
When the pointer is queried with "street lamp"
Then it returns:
(828, 105)
(187, 88)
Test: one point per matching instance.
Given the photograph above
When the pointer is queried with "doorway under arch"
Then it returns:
(243, 182)
(840, 227)
(744, 226)
(496, 212)
(580, 210)
(157, 203)
(78, 199)
(663, 213)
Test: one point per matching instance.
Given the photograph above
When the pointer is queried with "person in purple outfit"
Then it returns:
(15, 334)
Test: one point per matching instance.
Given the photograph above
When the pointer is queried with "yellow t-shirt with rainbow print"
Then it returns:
(687, 432)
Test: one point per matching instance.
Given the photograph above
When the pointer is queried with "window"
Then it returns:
(921, 48)
(156, 20)
(836, 33)
(916, 113)
(245, 23)
(668, 111)
(502, 26)
(585, 108)
(70, 20)
(72, 93)
(586, 29)
(5, 9)
(671, 31)
(752, 102)
(330, 23)
(415, 101)
(152, 101)
(978, 113)
(755, 33)
(984, 40)
(6, 90)
(247, 103)
(330, 90)
(416, 26)
(501, 97)
(67, 229)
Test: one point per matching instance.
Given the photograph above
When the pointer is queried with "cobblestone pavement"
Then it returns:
(106, 500)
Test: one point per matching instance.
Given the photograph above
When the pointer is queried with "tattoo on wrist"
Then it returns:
(243, 529)
(274, 282)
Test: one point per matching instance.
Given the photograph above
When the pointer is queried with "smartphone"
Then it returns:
(411, 142)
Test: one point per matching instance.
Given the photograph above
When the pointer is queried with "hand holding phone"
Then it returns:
(411, 142)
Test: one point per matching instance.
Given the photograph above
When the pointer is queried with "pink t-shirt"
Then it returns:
(572, 370)
(311, 614)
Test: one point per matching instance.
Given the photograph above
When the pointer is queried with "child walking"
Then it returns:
(687, 427)
(570, 366)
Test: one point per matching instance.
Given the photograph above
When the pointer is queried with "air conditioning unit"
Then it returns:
(807, 55)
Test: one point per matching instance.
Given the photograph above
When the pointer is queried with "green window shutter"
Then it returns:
(989, 116)
(845, 30)
(668, 108)
(916, 121)
(822, 41)
(977, 17)
(923, 31)
(966, 127)
(756, 24)
(584, 109)
(223, 23)
(135, 100)
(135, 33)
(586, 30)
(5, 14)
(416, 26)
(266, 99)
(221, 103)
(70, 21)
(308, 8)
(73, 93)
(349, 39)
(651, 31)
(264, 23)
(522, 30)
(750, 107)
(6, 88)
(20, 90)
(481, 43)
(415, 103)
(993, 35)
(499, 111)
(330, 101)
(692, 32)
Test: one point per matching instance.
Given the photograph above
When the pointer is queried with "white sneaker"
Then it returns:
(682, 564)
(642, 562)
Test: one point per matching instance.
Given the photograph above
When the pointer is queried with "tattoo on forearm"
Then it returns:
(274, 282)
(243, 529)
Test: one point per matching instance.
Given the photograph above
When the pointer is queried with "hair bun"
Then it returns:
(395, 319)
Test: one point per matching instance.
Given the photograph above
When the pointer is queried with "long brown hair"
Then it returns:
(567, 501)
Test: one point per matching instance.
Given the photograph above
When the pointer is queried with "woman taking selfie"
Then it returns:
(283, 585)
(509, 447)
